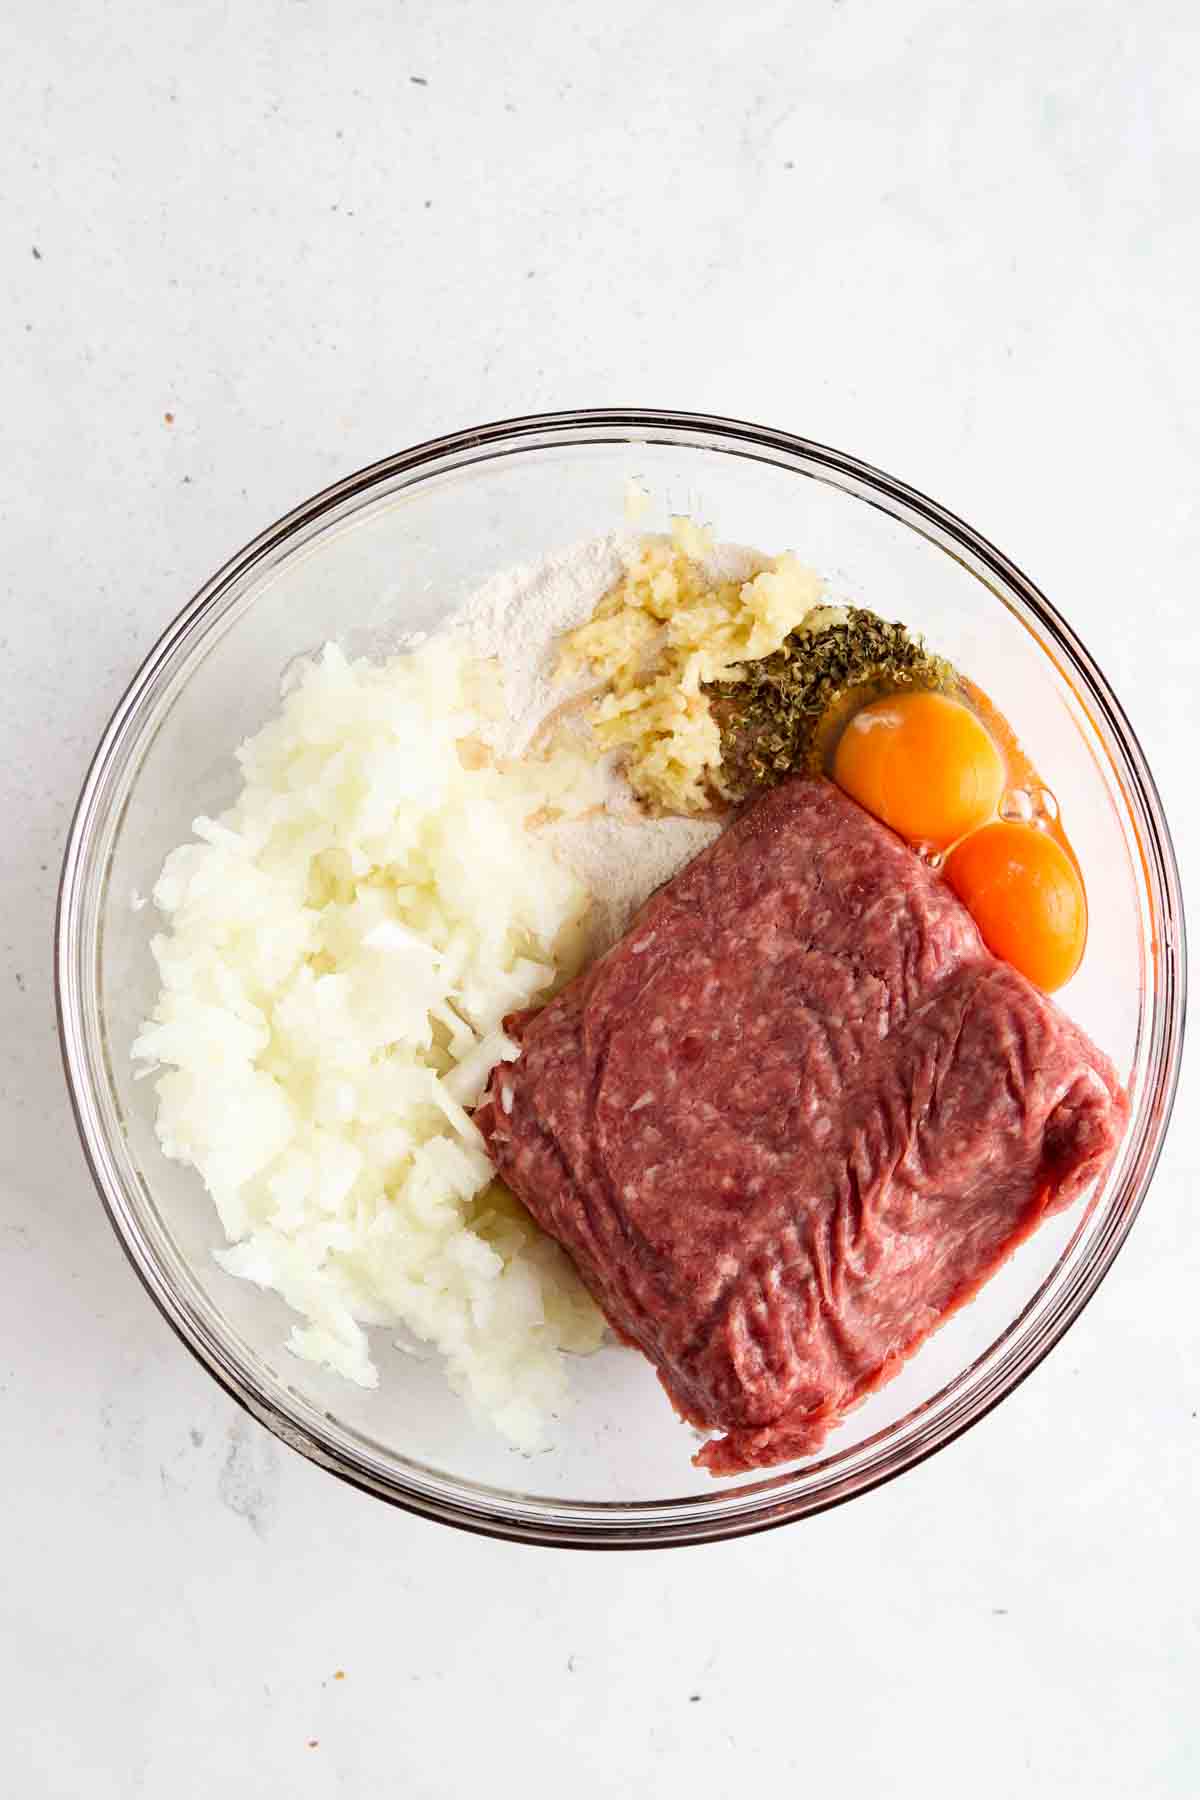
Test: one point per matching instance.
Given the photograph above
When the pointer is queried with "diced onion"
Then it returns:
(341, 948)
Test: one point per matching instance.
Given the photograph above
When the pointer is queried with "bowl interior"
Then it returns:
(398, 551)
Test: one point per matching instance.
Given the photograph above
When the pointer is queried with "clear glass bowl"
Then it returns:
(396, 548)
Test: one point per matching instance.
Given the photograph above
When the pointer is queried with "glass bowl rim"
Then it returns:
(604, 1524)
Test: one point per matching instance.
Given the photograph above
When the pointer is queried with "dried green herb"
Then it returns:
(787, 710)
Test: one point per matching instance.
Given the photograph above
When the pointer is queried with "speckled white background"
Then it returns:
(959, 239)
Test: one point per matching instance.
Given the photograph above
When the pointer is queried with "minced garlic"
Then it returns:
(667, 628)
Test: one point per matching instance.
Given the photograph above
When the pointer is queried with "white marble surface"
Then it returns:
(247, 249)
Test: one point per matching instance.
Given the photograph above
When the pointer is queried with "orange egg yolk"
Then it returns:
(922, 763)
(1026, 897)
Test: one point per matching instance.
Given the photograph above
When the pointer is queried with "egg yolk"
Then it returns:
(1026, 897)
(922, 763)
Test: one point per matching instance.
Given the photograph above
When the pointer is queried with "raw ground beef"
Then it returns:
(794, 1119)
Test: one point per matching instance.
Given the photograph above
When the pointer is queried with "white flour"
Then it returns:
(518, 616)
(621, 859)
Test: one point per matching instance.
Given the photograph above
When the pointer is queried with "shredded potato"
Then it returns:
(666, 629)
(342, 947)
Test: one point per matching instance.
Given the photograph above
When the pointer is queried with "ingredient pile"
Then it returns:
(385, 969)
